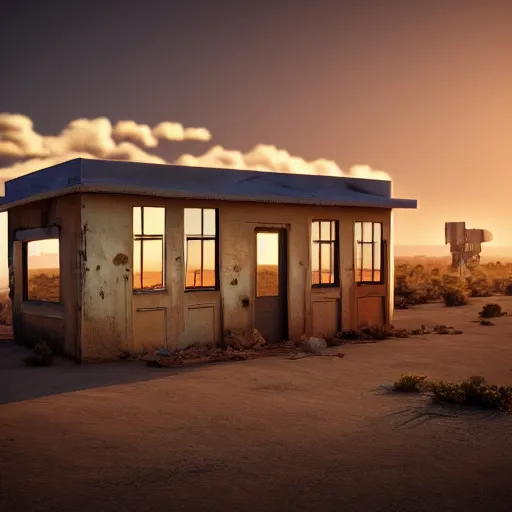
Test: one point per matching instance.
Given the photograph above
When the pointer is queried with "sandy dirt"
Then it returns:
(270, 434)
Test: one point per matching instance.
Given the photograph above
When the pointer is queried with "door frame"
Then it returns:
(283, 232)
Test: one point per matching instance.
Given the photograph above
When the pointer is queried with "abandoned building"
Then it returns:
(110, 256)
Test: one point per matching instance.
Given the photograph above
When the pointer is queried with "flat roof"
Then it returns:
(175, 181)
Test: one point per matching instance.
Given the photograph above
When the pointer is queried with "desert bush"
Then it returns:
(474, 391)
(508, 289)
(491, 311)
(454, 297)
(409, 383)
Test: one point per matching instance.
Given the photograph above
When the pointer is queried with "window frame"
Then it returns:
(24, 237)
(372, 243)
(201, 238)
(336, 259)
(148, 237)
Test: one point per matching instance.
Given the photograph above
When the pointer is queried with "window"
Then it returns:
(42, 269)
(201, 248)
(324, 251)
(368, 242)
(148, 248)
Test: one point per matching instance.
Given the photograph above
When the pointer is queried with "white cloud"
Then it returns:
(97, 139)
(18, 138)
(175, 131)
(201, 134)
(169, 131)
(137, 133)
(269, 158)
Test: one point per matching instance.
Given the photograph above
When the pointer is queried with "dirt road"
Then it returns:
(271, 434)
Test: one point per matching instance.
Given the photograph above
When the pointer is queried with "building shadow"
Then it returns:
(19, 382)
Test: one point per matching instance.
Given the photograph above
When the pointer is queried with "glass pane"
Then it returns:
(333, 230)
(325, 231)
(377, 266)
(43, 270)
(137, 222)
(315, 230)
(192, 221)
(377, 231)
(152, 264)
(267, 264)
(358, 232)
(193, 263)
(367, 232)
(154, 221)
(367, 262)
(358, 261)
(315, 263)
(209, 222)
(327, 264)
(209, 263)
(137, 264)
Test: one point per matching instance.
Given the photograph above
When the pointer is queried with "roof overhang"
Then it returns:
(115, 177)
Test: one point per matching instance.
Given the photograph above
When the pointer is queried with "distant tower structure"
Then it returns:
(465, 244)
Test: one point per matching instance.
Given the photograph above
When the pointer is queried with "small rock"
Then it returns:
(387, 387)
(314, 345)
(163, 352)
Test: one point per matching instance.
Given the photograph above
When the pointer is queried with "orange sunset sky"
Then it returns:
(420, 90)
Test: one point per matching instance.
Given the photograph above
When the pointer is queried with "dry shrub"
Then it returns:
(491, 311)
(409, 383)
(454, 297)
(474, 391)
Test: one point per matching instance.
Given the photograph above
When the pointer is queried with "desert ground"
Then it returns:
(266, 434)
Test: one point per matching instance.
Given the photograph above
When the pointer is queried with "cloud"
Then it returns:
(18, 138)
(169, 131)
(271, 159)
(201, 134)
(137, 133)
(98, 139)
(175, 131)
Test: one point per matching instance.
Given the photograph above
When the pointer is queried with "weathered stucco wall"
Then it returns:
(174, 317)
(106, 250)
(57, 324)
(100, 307)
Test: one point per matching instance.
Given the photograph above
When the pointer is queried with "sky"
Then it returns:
(420, 90)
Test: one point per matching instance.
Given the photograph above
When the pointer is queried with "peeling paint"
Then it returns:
(120, 259)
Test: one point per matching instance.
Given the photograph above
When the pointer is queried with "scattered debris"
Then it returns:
(443, 329)
(483, 322)
(42, 356)
(242, 339)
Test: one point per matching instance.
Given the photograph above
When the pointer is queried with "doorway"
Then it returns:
(271, 305)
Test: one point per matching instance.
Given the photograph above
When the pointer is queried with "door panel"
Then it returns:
(271, 285)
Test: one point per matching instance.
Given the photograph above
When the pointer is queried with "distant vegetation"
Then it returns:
(431, 280)
(44, 285)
